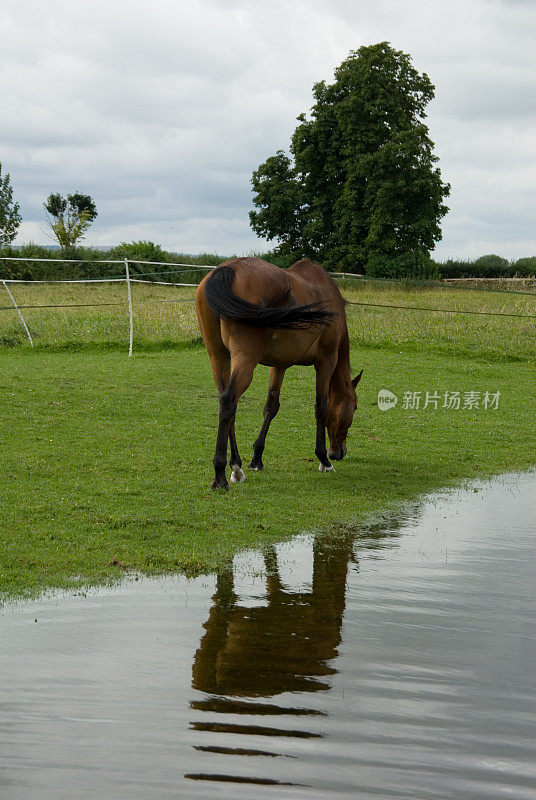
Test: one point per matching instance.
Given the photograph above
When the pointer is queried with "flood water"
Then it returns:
(395, 661)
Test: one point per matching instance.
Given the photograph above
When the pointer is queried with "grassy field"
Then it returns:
(107, 460)
(164, 316)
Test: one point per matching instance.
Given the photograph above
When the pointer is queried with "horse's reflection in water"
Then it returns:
(287, 645)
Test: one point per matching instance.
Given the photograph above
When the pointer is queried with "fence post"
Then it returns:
(129, 308)
(18, 312)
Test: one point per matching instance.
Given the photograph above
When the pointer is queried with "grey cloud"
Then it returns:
(162, 110)
(487, 92)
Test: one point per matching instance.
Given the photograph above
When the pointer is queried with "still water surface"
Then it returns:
(395, 661)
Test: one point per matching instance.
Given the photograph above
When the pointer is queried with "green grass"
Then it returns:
(106, 461)
(161, 315)
(164, 316)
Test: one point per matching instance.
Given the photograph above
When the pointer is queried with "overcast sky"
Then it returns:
(161, 110)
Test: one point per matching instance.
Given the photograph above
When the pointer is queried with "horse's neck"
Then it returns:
(341, 380)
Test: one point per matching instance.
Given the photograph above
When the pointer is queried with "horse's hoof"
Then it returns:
(217, 485)
(237, 475)
(256, 466)
(323, 468)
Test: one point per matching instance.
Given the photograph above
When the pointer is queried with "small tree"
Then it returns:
(69, 218)
(10, 218)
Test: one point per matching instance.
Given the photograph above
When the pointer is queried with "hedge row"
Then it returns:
(411, 265)
(491, 266)
(95, 265)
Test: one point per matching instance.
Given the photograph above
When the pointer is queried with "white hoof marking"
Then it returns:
(322, 468)
(238, 475)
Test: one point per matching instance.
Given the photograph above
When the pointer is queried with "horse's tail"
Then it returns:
(225, 303)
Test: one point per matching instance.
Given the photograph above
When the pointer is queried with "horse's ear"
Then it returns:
(357, 379)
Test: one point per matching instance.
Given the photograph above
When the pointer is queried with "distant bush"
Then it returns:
(417, 265)
(453, 268)
(149, 251)
(138, 251)
(491, 262)
(526, 266)
(203, 259)
(283, 260)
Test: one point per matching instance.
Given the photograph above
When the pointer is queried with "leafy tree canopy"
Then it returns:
(70, 217)
(10, 218)
(362, 180)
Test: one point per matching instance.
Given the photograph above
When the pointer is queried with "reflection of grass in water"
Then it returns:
(108, 459)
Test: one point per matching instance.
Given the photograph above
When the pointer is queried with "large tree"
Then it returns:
(10, 218)
(362, 179)
(70, 217)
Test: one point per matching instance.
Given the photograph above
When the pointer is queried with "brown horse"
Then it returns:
(251, 312)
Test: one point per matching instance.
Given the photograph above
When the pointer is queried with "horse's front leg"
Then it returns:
(323, 377)
(270, 410)
(238, 383)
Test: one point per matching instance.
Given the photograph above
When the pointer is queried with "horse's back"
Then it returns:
(258, 281)
(266, 285)
(311, 279)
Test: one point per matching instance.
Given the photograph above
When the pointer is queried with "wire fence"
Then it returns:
(450, 283)
(125, 278)
(177, 268)
(443, 310)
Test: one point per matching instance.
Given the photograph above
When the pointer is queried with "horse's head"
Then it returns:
(341, 408)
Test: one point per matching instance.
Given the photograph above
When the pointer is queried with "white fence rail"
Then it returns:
(141, 278)
(127, 278)
(15, 306)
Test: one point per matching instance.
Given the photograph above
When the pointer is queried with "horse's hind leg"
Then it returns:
(221, 367)
(221, 376)
(270, 410)
(237, 474)
(238, 383)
